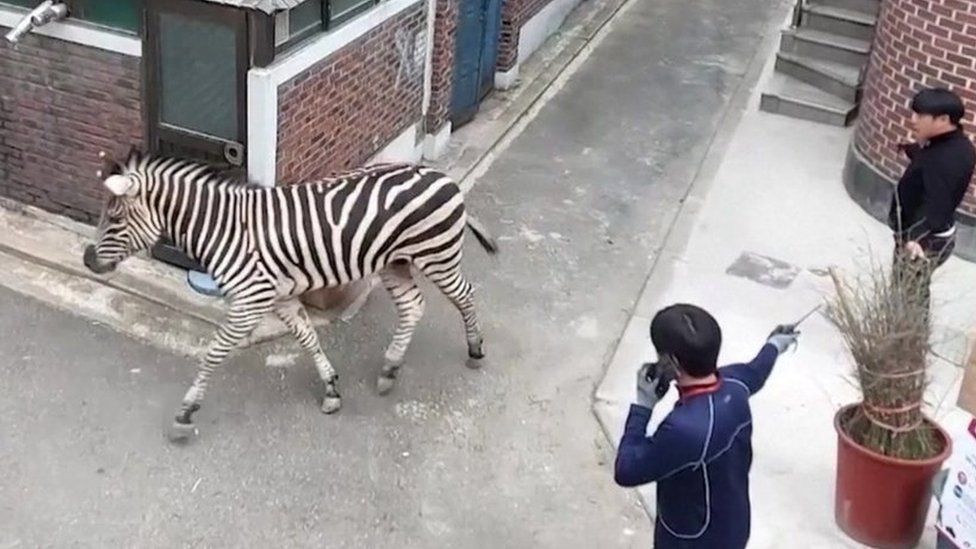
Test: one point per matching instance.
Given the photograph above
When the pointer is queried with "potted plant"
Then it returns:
(888, 450)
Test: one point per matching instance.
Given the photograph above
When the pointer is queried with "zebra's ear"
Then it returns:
(120, 185)
(134, 156)
(109, 166)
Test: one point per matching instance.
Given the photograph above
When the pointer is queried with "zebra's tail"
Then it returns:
(489, 243)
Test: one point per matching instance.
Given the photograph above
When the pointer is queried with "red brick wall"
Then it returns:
(60, 104)
(442, 70)
(917, 44)
(515, 13)
(347, 107)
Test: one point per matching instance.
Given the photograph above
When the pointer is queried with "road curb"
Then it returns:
(41, 253)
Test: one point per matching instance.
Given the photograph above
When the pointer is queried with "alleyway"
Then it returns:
(508, 456)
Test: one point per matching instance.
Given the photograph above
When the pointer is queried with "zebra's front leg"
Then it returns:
(242, 318)
(409, 302)
(294, 315)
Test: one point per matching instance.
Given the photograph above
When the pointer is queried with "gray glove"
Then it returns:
(783, 337)
(652, 384)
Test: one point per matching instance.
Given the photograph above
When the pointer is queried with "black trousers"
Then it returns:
(907, 271)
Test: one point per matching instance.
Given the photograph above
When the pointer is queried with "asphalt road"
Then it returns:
(508, 456)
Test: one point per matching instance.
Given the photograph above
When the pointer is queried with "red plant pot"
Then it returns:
(881, 501)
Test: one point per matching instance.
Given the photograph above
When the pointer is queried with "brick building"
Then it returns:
(281, 90)
(916, 44)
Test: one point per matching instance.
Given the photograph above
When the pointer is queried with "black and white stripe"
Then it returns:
(267, 246)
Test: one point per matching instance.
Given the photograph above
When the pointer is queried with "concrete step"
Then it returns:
(146, 299)
(790, 97)
(838, 79)
(825, 46)
(843, 22)
(865, 6)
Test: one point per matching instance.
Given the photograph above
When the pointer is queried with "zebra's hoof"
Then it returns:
(331, 404)
(475, 363)
(384, 384)
(476, 353)
(182, 432)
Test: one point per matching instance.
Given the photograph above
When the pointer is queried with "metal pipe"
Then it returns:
(43, 14)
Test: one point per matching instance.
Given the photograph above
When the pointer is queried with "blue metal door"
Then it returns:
(475, 55)
(489, 45)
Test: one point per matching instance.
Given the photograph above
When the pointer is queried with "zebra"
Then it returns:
(266, 246)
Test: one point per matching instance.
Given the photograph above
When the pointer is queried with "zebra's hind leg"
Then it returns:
(242, 317)
(447, 276)
(294, 315)
(409, 303)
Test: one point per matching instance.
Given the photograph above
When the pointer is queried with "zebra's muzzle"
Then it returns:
(91, 261)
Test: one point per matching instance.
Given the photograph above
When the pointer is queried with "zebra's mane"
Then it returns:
(215, 174)
(356, 173)
(210, 173)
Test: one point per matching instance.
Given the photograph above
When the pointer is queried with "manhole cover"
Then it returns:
(764, 270)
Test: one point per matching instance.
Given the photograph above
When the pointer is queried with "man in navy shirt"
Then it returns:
(701, 453)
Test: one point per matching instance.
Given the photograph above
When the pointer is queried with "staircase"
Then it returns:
(821, 60)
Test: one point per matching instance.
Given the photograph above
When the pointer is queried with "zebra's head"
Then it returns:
(126, 226)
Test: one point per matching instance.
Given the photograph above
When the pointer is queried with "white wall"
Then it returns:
(541, 26)
(533, 34)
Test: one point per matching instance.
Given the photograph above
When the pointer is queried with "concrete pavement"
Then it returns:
(776, 192)
(508, 456)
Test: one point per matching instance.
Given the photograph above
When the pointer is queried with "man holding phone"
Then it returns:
(924, 203)
(701, 453)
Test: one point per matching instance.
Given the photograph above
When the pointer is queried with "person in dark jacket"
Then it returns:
(923, 206)
(701, 453)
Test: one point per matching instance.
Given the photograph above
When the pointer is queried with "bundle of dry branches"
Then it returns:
(884, 321)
